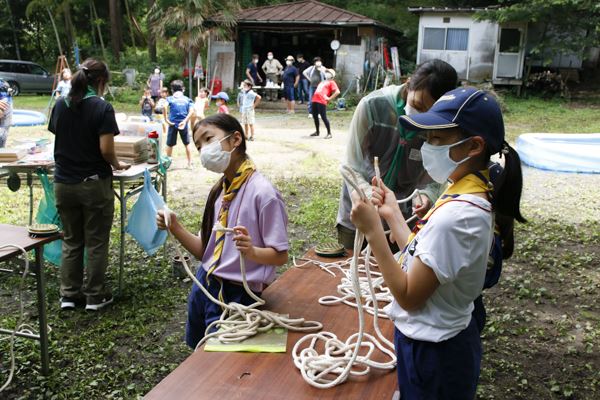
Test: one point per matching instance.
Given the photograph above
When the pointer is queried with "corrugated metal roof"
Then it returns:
(306, 11)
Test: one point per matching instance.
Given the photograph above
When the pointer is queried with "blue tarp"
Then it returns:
(576, 152)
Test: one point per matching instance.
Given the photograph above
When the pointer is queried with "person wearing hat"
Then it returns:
(221, 99)
(247, 101)
(442, 268)
(290, 79)
(326, 91)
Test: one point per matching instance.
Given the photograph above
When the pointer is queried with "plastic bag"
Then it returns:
(142, 220)
(48, 214)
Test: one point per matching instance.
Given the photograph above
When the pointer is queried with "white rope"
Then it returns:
(19, 327)
(341, 360)
(239, 322)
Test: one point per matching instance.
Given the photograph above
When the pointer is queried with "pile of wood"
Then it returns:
(11, 155)
(131, 149)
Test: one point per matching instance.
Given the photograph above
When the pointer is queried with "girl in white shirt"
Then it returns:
(442, 268)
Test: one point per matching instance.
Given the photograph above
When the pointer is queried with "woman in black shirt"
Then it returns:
(84, 125)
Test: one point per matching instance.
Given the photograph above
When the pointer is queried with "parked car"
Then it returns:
(26, 77)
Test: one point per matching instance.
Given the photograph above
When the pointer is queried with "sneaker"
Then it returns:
(314, 134)
(328, 136)
(103, 303)
(251, 138)
(309, 115)
(68, 303)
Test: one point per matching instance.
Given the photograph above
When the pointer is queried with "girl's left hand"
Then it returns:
(243, 241)
(364, 216)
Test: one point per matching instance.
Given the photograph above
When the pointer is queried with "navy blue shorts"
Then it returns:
(202, 312)
(439, 371)
(172, 135)
(288, 92)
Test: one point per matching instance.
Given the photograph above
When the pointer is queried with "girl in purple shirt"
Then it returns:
(243, 199)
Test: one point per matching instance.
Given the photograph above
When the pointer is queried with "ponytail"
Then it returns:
(208, 218)
(91, 72)
(507, 197)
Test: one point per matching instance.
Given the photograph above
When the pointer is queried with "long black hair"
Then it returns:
(508, 187)
(229, 125)
(91, 72)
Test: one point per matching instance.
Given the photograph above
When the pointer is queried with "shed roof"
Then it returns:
(420, 10)
(304, 12)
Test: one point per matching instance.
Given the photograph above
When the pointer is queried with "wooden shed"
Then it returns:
(306, 27)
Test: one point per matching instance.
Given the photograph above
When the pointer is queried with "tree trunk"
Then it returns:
(14, 31)
(97, 22)
(70, 29)
(130, 22)
(115, 34)
(151, 37)
(60, 50)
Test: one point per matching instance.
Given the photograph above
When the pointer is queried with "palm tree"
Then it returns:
(185, 21)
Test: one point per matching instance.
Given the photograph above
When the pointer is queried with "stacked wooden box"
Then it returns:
(11, 155)
(131, 149)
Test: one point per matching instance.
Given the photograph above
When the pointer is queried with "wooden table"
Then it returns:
(263, 376)
(129, 176)
(18, 235)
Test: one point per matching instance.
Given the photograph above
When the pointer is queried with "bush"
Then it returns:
(547, 84)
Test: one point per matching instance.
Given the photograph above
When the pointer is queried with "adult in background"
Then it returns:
(272, 69)
(376, 132)
(290, 80)
(252, 71)
(5, 112)
(155, 83)
(301, 64)
(84, 152)
(315, 75)
(326, 91)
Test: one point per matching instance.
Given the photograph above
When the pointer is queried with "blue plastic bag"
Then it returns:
(48, 214)
(142, 220)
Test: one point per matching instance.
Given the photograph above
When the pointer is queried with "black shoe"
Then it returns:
(69, 303)
(97, 306)
(314, 134)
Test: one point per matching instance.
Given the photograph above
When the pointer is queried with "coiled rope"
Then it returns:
(341, 360)
(239, 322)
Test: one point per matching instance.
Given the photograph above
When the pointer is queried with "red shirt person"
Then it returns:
(326, 91)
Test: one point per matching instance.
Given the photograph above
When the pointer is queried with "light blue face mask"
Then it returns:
(437, 161)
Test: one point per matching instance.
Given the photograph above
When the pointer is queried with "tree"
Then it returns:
(570, 26)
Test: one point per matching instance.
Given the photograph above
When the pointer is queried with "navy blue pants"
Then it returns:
(439, 371)
(202, 312)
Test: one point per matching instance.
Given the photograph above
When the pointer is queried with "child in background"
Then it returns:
(64, 86)
(200, 105)
(243, 199)
(442, 268)
(161, 104)
(325, 92)
(247, 101)
(147, 104)
(177, 113)
(221, 99)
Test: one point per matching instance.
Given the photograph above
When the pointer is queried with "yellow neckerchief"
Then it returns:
(478, 182)
(241, 176)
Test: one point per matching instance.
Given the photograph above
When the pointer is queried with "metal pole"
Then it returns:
(41, 292)
(30, 184)
(123, 202)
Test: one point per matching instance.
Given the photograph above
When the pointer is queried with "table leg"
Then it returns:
(123, 201)
(164, 186)
(41, 294)
(30, 184)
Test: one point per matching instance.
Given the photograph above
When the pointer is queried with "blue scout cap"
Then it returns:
(221, 95)
(475, 111)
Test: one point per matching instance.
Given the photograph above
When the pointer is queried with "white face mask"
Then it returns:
(270, 57)
(318, 64)
(157, 71)
(214, 158)
(328, 76)
(437, 161)
(410, 110)
(288, 62)
(255, 61)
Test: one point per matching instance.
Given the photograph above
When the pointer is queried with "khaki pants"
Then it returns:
(86, 210)
(271, 94)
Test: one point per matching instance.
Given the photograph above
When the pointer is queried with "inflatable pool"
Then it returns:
(561, 152)
(27, 118)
